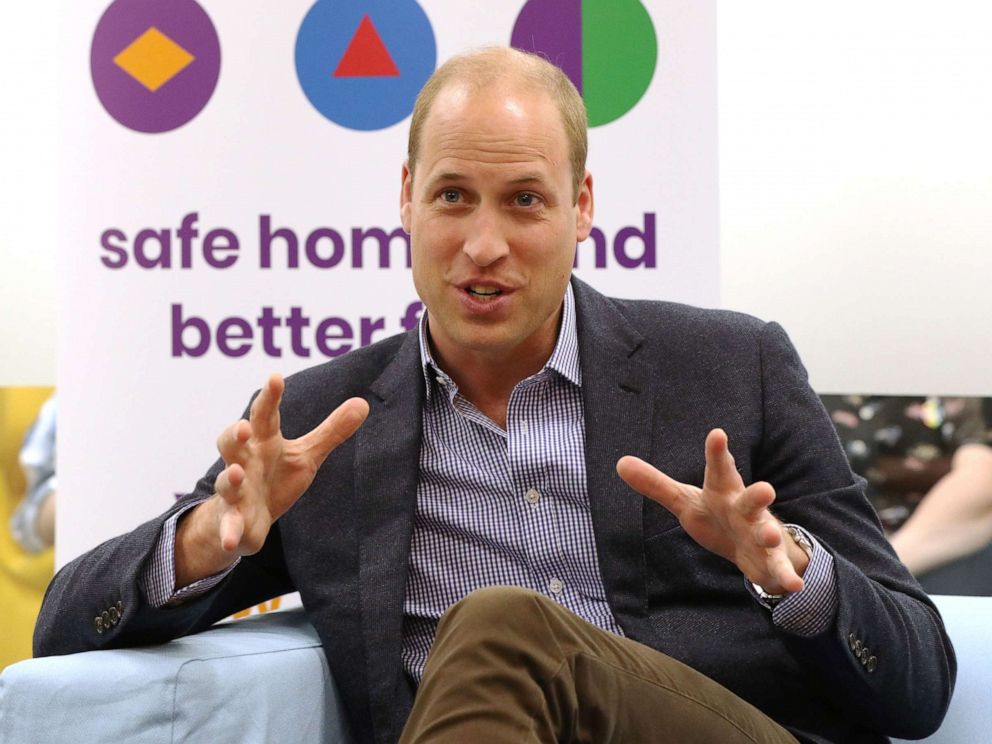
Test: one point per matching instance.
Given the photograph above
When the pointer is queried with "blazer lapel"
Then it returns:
(618, 396)
(387, 457)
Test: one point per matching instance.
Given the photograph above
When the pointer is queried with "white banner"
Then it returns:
(230, 179)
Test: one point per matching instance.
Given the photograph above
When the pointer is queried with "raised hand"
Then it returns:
(726, 517)
(264, 477)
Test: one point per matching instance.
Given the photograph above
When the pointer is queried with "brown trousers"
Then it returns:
(509, 665)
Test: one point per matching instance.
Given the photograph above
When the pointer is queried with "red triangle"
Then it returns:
(366, 55)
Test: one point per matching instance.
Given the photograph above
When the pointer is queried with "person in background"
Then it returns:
(24, 574)
(33, 522)
(954, 519)
(928, 466)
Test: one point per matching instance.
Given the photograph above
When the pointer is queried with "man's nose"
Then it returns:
(486, 243)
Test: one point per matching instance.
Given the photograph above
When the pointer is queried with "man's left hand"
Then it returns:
(726, 517)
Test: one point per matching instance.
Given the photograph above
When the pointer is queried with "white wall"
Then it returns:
(856, 187)
(27, 193)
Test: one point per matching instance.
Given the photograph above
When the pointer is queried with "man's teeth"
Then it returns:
(480, 290)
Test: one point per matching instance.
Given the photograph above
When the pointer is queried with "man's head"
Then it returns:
(495, 210)
(483, 69)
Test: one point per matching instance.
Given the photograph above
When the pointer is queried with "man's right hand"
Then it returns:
(264, 477)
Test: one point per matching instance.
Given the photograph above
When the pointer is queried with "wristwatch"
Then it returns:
(770, 600)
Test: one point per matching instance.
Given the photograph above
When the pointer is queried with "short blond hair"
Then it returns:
(484, 67)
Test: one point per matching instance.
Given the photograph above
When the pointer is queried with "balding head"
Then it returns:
(499, 66)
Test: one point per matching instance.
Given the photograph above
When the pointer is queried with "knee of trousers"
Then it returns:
(498, 617)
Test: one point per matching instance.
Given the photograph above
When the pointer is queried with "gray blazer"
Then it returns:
(656, 378)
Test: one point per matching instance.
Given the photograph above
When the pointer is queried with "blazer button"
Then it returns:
(872, 664)
(865, 653)
(851, 640)
(98, 621)
(114, 616)
(106, 619)
(857, 647)
(120, 608)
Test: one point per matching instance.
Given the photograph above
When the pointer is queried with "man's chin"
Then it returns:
(481, 337)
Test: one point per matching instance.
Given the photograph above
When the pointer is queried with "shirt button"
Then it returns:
(533, 496)
(555, 586)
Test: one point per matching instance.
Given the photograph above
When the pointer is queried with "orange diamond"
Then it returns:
(153, 59)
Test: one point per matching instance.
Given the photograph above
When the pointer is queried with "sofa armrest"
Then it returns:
(265, 678)
(969, 624)
(260, 679)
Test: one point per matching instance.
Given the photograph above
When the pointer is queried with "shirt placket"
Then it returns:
(527, 442)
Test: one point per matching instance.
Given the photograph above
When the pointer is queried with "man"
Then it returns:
(489, 484)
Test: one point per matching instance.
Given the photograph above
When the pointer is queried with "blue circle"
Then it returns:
(364, 103)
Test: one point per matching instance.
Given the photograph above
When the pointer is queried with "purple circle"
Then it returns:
(184, 95)
(553, 30)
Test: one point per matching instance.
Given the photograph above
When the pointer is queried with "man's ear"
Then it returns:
(584, 209)
(406, 196)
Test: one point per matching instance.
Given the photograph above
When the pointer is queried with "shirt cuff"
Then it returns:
(158, 579)
(811, 611)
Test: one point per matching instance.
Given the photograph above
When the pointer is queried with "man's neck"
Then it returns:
(487, 377)
(489, 384)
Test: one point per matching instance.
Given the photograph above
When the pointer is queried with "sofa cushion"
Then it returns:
(260, 679)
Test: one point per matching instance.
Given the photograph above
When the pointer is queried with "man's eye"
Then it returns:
(526, 200)
(451, 196)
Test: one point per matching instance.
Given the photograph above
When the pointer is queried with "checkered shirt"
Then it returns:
(508, 507)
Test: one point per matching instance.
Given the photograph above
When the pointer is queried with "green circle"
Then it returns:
(619, 54)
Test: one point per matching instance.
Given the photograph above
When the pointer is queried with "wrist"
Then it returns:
(800, 549)
(800, 552)
(198, 552)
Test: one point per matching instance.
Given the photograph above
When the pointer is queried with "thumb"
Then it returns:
(342, 422)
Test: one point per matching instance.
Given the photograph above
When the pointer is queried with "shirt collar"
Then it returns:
(564, 359)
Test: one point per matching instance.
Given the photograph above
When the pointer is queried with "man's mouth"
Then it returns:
(483, 291)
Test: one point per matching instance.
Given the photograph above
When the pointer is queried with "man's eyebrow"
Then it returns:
(528, 178)
(456, 176)
(449, 176)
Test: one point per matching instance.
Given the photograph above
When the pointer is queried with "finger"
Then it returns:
(228, 483)
(264, 415)
(779, 567)
(232, 442)
(342, 422)
(721, 474)
(648, 481)
(755, 501)
(785, 574)
(768, 534)
(232, 527)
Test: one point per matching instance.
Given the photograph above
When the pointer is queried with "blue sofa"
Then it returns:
(265, 679)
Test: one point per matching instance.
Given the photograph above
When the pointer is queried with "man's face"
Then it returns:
(492, 221)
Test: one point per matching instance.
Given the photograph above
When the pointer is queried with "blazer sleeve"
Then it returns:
(887, 658)
(104, 583)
